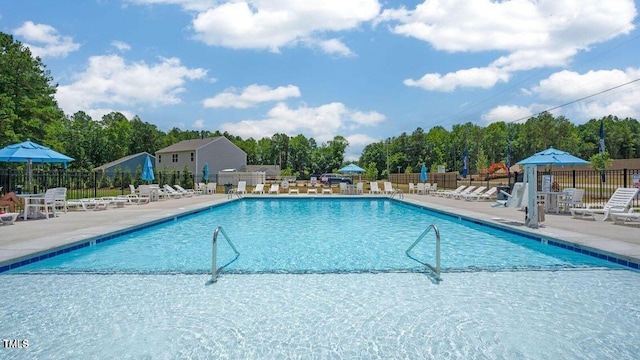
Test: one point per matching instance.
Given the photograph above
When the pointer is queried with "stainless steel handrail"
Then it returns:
(215, 272)
(397, 192)
(435, 269)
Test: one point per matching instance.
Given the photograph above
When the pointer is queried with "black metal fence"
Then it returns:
(596, 190)
(82, 184)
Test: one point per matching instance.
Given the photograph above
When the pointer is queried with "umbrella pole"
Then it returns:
(29, 177)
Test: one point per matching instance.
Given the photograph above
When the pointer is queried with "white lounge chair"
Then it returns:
(447, 192)
(359, 188)
(294, 191)
(312, 190)
(183, 191)
(619, 202)
(421, 189)
(374, 188)
(475, 191)
(343, 188)
(487, 195)
(274, 189)
(464, 190)
(327, 190)
(212, 188)
(412, 188)
(259, 189)
(8, 218)
(88, 204)
(632, 217)
(170, 192)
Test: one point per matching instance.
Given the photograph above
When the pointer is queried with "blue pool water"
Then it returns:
(315, 236)
(143, 295)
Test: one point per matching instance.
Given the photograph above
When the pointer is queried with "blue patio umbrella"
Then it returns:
(205, 172)
(147, 170)
(352, 168)
(552, 156)
(31, 152)
(423, 173)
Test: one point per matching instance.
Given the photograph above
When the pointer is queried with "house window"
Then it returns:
(192, 156)
(159, 159)
(174, 157)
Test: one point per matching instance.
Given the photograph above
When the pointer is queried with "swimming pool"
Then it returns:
(312, 235)
(546, 309)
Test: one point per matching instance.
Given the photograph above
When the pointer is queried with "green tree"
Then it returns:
(27, 105)
(371, 172)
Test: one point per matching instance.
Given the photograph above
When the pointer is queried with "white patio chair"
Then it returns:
(374, 188)
(571, 197)
(33, 205)
(388, 188)
(61, 198)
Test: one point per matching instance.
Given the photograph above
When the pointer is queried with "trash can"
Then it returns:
(502, 196)
(227, 188)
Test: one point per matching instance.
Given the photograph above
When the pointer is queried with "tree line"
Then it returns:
(28, 110)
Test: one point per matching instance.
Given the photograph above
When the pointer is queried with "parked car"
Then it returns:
(334, 179)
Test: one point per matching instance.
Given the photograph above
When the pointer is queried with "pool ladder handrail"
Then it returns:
(215, 272)
(231, 192)
(397, 192)
(435, 269)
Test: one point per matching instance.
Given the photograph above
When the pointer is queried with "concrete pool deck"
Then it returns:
(26, 239)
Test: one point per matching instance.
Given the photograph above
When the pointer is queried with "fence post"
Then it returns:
(624, 177)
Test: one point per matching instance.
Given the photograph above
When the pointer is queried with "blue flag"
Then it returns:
(602, 176)
(464, 164)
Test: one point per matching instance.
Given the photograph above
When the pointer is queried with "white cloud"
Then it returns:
(322, 123)
(534, 34)
(198, 124)
(98, 113)
(120, 45)
(251, 96)
(111, 81)
(475, 77)
(274, 24)
(567, 86)
(507, 113)
(335, 47)
(44, 41)
(357, 143)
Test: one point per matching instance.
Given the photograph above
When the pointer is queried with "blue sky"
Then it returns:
(363, 69)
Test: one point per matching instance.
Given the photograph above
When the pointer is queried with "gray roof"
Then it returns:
(188, 145)
(121, 160)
